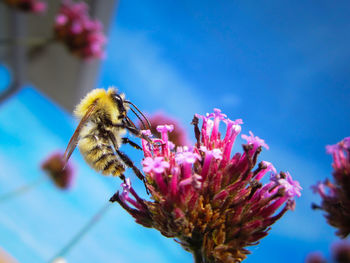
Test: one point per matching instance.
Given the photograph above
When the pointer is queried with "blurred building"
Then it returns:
(50, 68)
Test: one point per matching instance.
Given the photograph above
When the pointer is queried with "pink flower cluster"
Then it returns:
(336, 196)
(213, 203)
(33, 6)
(83, 36)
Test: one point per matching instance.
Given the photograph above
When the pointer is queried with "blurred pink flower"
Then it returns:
(336, 195)
(34, 6)
(315, 257)
(178, 135)
(83, 36)
(62, 177)
(213, 204)
(340, 254)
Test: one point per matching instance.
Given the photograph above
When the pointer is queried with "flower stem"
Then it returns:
(197, 256)
(21, 190)
(83, 231)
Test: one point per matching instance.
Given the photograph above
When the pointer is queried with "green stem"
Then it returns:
(74, 241)
(21, 190)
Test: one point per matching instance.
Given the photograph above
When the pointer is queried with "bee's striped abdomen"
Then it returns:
(98, 152)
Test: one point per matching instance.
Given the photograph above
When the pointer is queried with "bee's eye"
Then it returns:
(117, 99)
(120, 103)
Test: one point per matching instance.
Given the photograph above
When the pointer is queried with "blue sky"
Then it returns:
(281, 66)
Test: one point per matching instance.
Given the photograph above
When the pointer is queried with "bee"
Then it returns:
(99, 134)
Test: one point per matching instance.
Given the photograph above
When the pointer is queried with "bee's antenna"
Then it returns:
(143, 124)
(148, 123)
(130, 121)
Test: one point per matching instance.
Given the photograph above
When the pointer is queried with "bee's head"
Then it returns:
(124, 105)
(119, 101)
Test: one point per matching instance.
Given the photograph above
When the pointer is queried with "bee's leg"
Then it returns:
(130, 164)
(122, 177)
(125, 159)
(135, 131)
(126, 140)
(138, 133)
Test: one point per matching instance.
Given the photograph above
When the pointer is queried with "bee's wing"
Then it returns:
(75, 137)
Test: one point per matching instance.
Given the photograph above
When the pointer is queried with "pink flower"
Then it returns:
(33, 6)
(292, 188)
(216, 153)
(62, 175)
(254, 140)
(184, 155)
(165, 128)
(341, 251)
(156, 165)
(39, 7)
(61, 20)
(83, 36)
(336, 196)
(211, 201)
(340, 254)
(315, 257)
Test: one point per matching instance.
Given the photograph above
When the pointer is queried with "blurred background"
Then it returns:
(281, 66)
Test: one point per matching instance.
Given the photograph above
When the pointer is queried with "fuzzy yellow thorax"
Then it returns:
(104, 102)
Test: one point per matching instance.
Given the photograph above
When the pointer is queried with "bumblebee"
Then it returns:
(99, 135)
